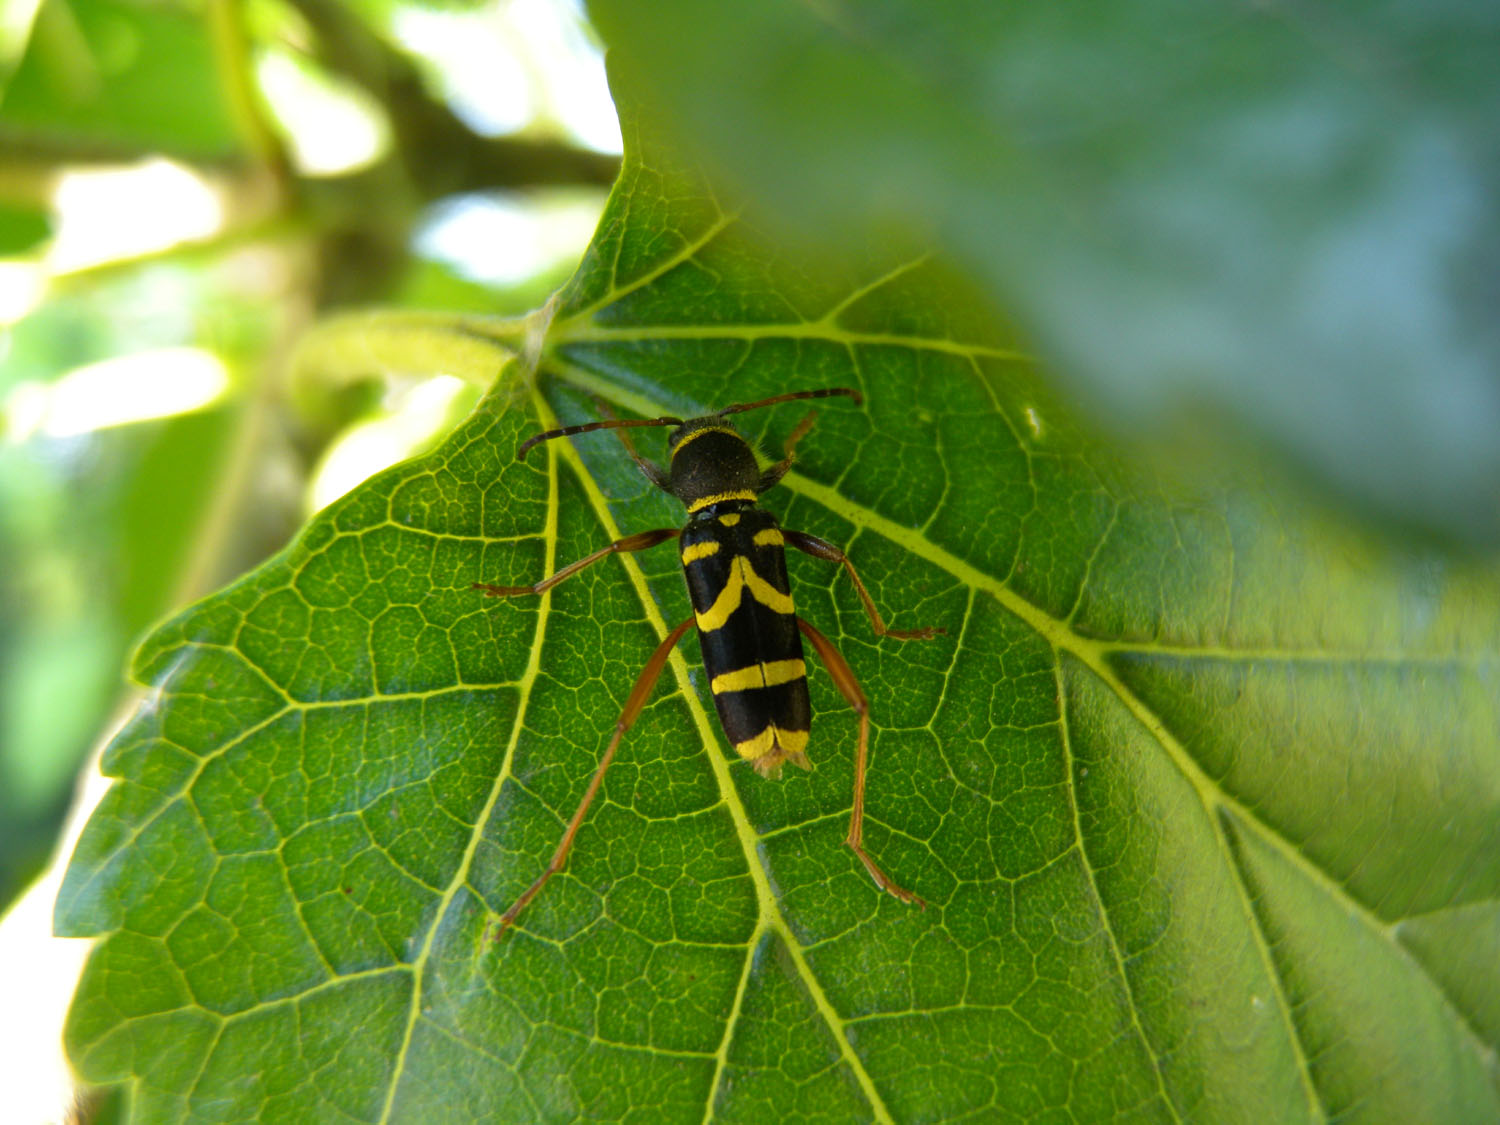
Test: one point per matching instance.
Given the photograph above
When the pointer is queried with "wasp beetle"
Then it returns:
(734, 559)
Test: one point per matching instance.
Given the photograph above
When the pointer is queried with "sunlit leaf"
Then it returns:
(1201, 789)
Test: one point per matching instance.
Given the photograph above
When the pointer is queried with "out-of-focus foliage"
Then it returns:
(1279, 221)
(105, 527)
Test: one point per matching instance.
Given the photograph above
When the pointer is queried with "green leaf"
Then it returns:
(126, 75)
(21, 228)
(1201, 789)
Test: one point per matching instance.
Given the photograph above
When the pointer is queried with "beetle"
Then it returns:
(733, 556)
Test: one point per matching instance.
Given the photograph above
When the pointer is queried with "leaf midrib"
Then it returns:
(769, 908)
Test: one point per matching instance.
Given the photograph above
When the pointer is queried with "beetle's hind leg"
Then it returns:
(843, 678)
(633, 705)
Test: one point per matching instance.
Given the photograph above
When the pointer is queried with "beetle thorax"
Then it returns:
(711, 461)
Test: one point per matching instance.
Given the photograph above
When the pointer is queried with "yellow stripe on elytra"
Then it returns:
(759, 675)
(719, 498)
(683, 444)
(700, 551)
(793, 743)
(769, 537)
(741, 575)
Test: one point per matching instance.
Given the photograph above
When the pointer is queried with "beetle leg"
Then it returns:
(843, 678)
(649, 469)
(822, 549)
(637, 542)
(772, 476)
(633, 705)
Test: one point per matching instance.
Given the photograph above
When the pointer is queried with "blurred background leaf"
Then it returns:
(1270, 223)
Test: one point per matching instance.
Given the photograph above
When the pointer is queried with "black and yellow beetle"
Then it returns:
(733, 556)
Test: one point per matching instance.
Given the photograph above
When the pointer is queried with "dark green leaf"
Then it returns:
(1201, 788)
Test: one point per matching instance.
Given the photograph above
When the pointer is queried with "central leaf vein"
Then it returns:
(768, 905)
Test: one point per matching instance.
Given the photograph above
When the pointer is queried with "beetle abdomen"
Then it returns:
(735, 563)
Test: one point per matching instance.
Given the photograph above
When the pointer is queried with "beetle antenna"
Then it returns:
(587, 427)
(824, 392)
